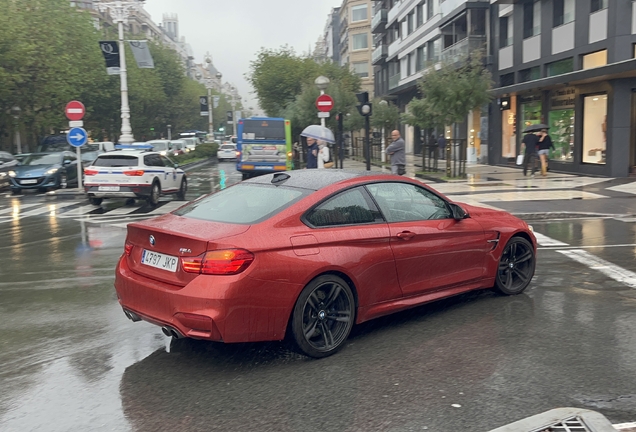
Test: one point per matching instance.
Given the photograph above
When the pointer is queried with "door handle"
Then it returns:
(406, 235)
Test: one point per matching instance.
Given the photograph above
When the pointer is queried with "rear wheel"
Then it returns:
(155, 193)
(183, 189)
(323, 316)
(95, 201)
(516, 267)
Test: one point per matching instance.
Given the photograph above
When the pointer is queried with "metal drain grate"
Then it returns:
(561, 420)
(574, 424)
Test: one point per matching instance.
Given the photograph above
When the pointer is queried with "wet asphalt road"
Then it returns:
(72, 361)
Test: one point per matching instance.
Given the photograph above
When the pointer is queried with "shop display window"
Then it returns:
(509, 130)
(595, 129)
(562, 134)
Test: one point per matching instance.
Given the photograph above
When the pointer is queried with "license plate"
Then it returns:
(160, 261)
(32, 181)
(108, 188)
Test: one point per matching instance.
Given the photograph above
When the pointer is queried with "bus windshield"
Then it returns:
(270, 130)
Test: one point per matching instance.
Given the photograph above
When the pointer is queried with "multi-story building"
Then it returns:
(571, 65)
(331, 36)
(355, 40)
(413, 37)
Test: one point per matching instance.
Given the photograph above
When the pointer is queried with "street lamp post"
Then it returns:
(383, 145)
(169, 132)
(16, 116)
(120, 11)
(322, 82)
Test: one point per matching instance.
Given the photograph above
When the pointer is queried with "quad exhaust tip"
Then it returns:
(132, 316)
(172, 332)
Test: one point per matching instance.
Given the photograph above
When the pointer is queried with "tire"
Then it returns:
(183, 189)
(516, 267)
(245, 176)
(155, 193)
(323, 316)
(95, 201)
(15, 191)
(63, 181)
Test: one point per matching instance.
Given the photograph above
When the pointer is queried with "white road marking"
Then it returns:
(20, 207)
(607, 268)
(167, 207)
(623, 426)
(587, 247)
(79, 211)
(45, 208)
(547, 241)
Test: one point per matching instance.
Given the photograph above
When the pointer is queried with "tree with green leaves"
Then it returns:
(449, 94)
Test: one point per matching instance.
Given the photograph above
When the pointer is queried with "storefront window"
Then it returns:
(508, 130)
(561, 121)
(595, 129)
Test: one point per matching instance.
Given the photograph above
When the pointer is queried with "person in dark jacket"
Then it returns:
(545, 144)
(312, 153)
(531, 141)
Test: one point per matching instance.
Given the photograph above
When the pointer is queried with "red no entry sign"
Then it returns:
(75, 110)
(324, 103)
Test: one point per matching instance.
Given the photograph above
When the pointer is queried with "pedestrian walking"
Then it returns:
(531, 142)
(398, 154)
(323, 154)
(545, 144)
(312, 153)
(441, 144)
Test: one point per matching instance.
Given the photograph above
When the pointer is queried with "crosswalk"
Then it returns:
(116, 213)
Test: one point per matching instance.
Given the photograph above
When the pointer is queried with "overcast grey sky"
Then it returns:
(233, 31)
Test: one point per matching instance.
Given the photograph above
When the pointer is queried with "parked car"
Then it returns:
(178, 147)
(7, 163)
(162, 146)
(134, 173)
(309, 253)
(44, 171)
(91, 150)
(226, 151)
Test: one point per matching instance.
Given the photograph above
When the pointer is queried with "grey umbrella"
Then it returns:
(318, 132)
(535, 127)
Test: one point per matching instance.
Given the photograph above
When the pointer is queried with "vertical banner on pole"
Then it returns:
(110, 51)
(203, 102)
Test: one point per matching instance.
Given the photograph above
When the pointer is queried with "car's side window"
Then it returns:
(167, 162)
(400, 202)
(347, 208)
(153, 160)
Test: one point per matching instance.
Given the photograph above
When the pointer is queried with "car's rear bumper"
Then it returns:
(124, 191)
(217, 308)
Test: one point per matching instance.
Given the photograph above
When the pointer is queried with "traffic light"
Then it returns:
(230, 117)
(365, 108)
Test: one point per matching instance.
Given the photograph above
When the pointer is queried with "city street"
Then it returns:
(469, 363)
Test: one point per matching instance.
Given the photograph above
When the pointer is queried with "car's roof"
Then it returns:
(127, 152)
(313, 179)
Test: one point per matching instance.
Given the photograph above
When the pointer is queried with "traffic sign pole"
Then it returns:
(77, 137)
(324, 103)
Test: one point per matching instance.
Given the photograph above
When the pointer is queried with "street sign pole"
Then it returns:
(324, 103)
(77, 137)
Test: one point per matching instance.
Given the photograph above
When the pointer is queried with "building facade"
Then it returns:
(571, 65)
(412, 38)
(355, 40)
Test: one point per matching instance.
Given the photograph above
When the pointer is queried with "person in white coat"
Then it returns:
(323, 154)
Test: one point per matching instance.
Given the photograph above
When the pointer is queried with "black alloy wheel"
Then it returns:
(183, 189)
(516, 267)
(155, 193)
(323, 316)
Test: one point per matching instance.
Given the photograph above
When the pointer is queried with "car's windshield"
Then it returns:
(228, 147)
(242, 204)
(158, 145)
(117, 160)
(90, 148)
(42, 159)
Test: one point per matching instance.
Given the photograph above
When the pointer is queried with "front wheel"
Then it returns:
(155, 193)
(516, 267)
(183, 189)
(95, 201)
(323, 316)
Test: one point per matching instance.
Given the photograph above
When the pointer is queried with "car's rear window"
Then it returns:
(116, 161)
(227, 147)
(242, 204)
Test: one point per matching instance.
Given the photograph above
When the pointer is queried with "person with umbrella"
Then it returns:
(313, 133)
(531, 142)
(545, 144)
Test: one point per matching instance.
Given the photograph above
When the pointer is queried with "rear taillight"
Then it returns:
(238, 154)
(134, 173)
(90, 172)
(128, 247)
(219, 262)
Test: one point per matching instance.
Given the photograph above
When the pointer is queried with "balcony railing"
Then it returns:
(394, 81)
(379, 21)
(379, 54)
(461, 49)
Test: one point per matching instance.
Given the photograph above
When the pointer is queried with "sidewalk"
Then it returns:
(506, 188)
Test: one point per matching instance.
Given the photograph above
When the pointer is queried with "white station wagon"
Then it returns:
(134, 173)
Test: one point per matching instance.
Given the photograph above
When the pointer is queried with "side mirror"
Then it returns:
(458, 212)
(66, 162)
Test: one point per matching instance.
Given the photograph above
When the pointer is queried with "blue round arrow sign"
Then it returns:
(77, 137)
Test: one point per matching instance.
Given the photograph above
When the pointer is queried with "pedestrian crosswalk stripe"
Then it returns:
(547, 241)
(20, 207)
(79, 211)
(607, 268)
(167, 208)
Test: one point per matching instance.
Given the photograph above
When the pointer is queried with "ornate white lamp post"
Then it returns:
(120, 11)
(322, 82)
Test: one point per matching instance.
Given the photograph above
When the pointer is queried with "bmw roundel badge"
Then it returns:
(152, 240)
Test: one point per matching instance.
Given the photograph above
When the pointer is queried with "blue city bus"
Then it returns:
(263, 146)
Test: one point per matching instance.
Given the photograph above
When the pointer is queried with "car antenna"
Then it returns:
(280, 178)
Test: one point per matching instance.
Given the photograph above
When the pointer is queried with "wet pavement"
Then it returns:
(72, 361)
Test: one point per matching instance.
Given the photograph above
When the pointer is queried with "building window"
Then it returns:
(409, 70)
(563, 12)
(530, 74)
(420, 14)
(361, 69)
(561, 121)
(595, 129)
(410, 18)
(433, 50)
(596, 59)
(531, 19)
(358, 13)
(429, 9)
(360, 41)
(597, 5)
(505, 31)
(420, 58)
(560, 67)
(507, 80)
